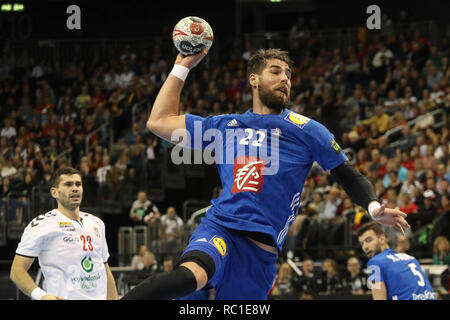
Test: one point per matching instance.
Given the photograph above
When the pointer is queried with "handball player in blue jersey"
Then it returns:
(393, 275)
(263, 158)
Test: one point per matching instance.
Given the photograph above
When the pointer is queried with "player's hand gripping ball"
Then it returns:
(191, 35)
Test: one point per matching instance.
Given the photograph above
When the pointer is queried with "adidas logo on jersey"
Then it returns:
(232, 123)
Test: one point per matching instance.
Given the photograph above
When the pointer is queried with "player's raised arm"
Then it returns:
(164, 118)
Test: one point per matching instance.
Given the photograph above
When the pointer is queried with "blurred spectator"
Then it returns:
(149, 262)
(441, 251)
(407, 206)
(5, 187)
(103, 169)
(332, 201)
(356, 280)
(426, 212)
(168, 263)
(83, 100)
(332, 281)
(283, 288)
(172, 231)
(310, 281)
(151, 146)
(9, 130)
(381, 119)
(137, 262)
(143, 210)
(299, 30)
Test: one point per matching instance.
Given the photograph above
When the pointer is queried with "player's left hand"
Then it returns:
(391, 217)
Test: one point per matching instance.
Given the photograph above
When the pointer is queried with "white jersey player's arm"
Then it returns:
(20, 276)
(379, 291)
(22, 279)
(111, 285)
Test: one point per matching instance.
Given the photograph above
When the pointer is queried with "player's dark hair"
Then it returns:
(258, 60)
(56, 177)
(374, 226)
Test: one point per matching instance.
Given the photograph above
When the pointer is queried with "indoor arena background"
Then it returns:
(81, 98)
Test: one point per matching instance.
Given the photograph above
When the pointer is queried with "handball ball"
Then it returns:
(191, 34)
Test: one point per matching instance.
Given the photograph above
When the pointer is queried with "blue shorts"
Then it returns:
(243, 271)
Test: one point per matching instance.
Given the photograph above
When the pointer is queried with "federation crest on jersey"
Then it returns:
(297, 119)
(248, 173)
(97, 233)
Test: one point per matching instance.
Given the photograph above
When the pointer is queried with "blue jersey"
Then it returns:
(263, 162)
(402, 275)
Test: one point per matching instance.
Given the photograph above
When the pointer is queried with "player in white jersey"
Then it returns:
(70, 246)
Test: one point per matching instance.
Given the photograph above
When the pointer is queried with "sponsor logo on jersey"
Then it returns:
(232, 123)
(220, 245)
(248, 174)
(35, 221)
(297, 119)
(86, 264)
(66, 225)
(71, 238)
(426, 295)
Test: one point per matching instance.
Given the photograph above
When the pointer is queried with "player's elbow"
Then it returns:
(152, 125)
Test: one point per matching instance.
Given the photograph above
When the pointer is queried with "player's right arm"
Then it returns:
(164, 118)
(379, 291)
(22, 279)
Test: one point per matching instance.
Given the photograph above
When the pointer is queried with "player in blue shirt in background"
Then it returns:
(393, 275)
(263, 158)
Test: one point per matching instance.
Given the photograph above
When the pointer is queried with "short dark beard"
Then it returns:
(273, 101)
(68, 205)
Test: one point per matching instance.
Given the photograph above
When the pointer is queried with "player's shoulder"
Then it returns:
(381, 258)
(223, 121)
(91, 217)
(43, 221)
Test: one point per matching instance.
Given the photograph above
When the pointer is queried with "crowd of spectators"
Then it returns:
(361, 92)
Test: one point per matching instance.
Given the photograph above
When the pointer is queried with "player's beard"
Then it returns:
(272, 100)
(378, 249)
(68, 204)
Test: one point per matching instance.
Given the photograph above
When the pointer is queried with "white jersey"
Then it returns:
(71, 253)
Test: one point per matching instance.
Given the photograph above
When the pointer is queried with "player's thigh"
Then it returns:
(209, 248)
(249, 273)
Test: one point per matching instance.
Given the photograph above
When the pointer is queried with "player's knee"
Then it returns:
(201, 265)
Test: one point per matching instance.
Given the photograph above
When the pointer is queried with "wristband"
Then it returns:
(180, 71)
(373, 206)
(38, 293)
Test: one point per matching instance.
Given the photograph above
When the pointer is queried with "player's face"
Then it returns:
(371, 243)
(69, 192)
(274, 85)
